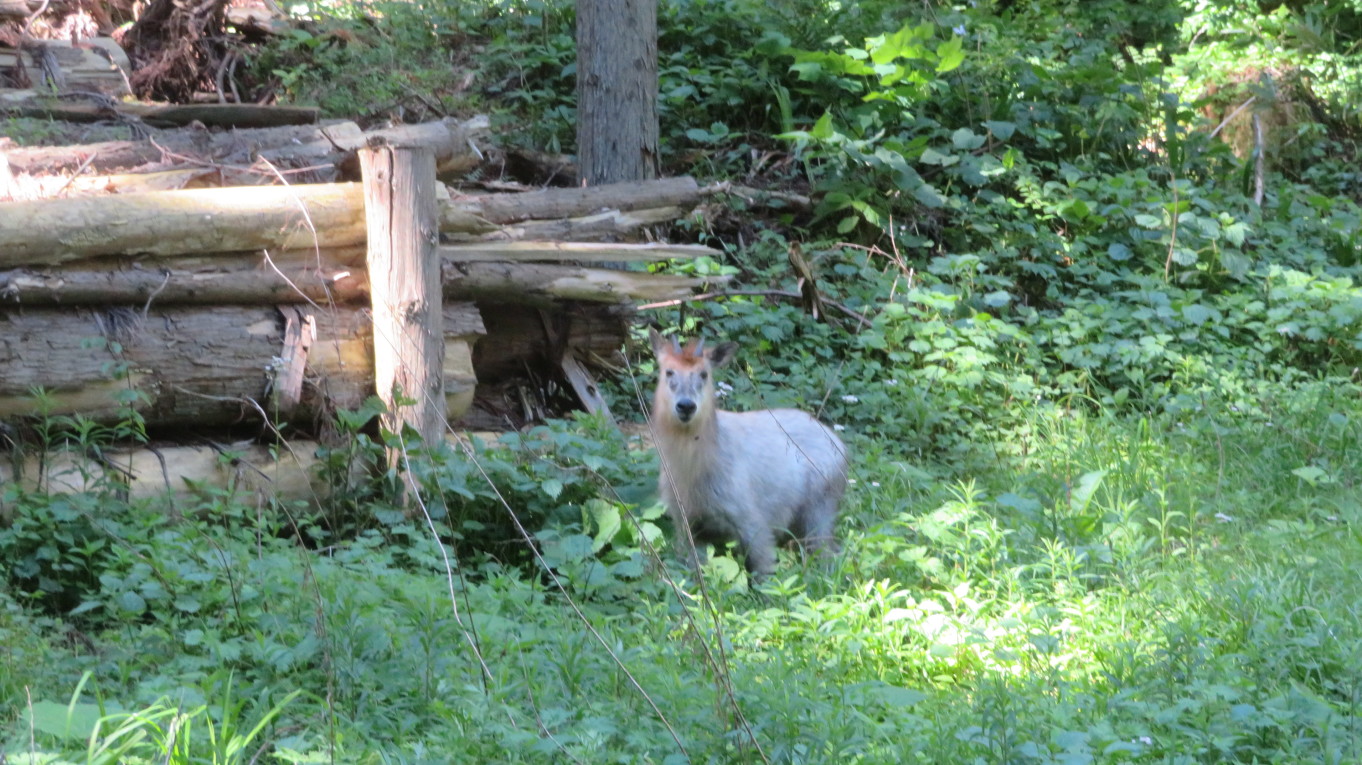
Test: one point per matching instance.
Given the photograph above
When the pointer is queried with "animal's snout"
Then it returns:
(685, 409)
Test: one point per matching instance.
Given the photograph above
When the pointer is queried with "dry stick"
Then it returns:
(720, 666)
(860, 318)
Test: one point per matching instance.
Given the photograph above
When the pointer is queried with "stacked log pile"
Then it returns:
(189, 277)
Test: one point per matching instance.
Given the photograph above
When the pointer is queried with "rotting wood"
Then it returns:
(192, 366)
(404, 279)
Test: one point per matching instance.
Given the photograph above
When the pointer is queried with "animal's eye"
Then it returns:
(670, 373)
(704, 375)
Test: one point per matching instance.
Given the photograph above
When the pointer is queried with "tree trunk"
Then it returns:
(617, 131)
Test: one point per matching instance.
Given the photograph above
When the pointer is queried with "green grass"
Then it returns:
(1133, 589)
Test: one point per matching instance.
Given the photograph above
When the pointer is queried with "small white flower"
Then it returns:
(851, 480)
(839, 428)
(1224, 518)
(960, 30)
(1147, 741)
(724, 386)
(891, 382)
(876, 484)
(850, 399)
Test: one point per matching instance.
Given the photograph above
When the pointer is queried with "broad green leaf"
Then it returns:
(822, 129)
(951, 54)
(965, 139)
(552, 487)
(1001, 130)
(605, 517)
(1118, 252)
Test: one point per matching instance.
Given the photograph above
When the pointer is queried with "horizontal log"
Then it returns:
(323, 149)
(54, 231)
(49, 232)
(544, 283)
(611, 225)
(553, 204)
(177, 474)
(291, 277)
(162, 115)
(586, 252)
(194, 366)
(321, 278)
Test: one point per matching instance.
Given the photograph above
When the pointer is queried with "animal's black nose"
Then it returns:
(685, 409)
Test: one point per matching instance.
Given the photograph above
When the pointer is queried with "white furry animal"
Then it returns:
(751, 476)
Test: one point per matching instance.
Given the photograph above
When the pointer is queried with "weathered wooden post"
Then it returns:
(404, 280)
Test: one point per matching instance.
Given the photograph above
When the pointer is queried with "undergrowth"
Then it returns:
(1100, 389)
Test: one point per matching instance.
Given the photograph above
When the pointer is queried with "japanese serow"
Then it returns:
(754, 477)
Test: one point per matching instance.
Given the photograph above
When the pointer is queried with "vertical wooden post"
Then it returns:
(404, 281)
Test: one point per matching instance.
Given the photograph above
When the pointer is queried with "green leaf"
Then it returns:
(1086, 487)
(74, 723)
(931, 156)
(552, 487)
(132, 603)
(1197, 313)
(1001, 130)
(951, 54)
(966, 140)
(822, 129)
(1118, 252)
(605, 518)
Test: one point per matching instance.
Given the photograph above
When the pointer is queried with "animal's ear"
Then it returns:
(659, 343)
(722, 354)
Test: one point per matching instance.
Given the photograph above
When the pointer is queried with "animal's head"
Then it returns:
(685, 384)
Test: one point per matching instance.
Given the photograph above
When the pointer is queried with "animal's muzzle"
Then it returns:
(685, 409)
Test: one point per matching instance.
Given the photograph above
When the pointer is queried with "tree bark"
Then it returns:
(542, 284)
(617, 129)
